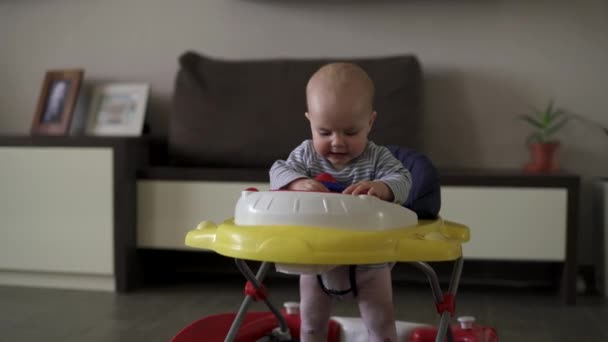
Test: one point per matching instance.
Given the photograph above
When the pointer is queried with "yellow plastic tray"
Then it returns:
(434, 240)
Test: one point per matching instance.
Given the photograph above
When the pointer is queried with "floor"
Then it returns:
(155, 314)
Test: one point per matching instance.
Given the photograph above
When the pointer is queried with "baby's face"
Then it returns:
(339, 127)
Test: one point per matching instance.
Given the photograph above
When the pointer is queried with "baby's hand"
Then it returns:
(372, 188)
(306, 184)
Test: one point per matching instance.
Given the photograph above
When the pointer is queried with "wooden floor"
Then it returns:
(156, 314)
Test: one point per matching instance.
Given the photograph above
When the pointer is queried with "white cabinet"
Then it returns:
(67, 212)
(167, 210)
(56, 217)
(510, 223)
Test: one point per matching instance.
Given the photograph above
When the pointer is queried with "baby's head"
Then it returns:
(339, 98)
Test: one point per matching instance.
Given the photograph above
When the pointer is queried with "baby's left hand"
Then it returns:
(372, 188)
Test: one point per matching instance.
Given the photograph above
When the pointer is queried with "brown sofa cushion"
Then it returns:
(250, 113)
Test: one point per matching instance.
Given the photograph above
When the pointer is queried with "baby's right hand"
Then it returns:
(306, 184)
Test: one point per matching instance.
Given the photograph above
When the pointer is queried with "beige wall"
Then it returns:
(484, 61)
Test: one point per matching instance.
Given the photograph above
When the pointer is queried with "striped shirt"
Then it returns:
(375, 163)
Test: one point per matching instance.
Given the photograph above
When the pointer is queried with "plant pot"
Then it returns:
(544, 158)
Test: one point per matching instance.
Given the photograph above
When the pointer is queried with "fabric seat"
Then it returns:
(425, 195)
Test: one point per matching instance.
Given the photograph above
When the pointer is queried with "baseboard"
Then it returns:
(93, 282)
(168, 266)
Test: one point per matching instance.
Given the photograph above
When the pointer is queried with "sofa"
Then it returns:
(247, 114)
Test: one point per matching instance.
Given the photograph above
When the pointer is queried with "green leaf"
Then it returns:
(549, 109)
(547, 113)
(557, 113)
(532, 121)
(557, 127)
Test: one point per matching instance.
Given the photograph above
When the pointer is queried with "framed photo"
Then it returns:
(118, 109)
(56, 102)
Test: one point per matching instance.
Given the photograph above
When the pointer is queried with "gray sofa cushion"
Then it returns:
(250, 113)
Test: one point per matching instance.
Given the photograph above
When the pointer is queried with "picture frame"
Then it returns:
(118, 109)
(56, 102)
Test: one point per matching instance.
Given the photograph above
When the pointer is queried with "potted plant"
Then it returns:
(543, 146)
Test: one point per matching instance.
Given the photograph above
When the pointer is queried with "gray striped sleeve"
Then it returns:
(392, 173)
(284, 172)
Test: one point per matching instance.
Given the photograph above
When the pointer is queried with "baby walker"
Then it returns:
(307, 232)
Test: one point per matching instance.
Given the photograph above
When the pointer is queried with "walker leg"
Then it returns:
(238, 320)
(446, 311)
(456, 272)
(256, 282)
(433, 280)
(444, 328)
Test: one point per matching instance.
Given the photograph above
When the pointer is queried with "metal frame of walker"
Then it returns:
(255, 291)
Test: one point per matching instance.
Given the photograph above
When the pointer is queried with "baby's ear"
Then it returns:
(372, 118)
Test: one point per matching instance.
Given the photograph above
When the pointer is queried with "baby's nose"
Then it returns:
(338, 140)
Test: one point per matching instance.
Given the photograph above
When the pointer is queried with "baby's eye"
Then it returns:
(324, 133)
(352, 133)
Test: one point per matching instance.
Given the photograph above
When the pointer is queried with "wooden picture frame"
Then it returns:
(118, 109)
(56, 102)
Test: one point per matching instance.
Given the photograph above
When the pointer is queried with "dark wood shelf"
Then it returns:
(75, 141)
(506, 178)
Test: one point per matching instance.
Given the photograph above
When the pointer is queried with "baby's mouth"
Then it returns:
(337, 154)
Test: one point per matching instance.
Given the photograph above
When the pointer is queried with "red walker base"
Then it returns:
(255, 326)
(477, 333)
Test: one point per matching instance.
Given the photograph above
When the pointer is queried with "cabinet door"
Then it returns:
(509, 223)
(56, 211)
(167, 210)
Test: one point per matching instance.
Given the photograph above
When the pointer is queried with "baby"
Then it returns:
(339, 98)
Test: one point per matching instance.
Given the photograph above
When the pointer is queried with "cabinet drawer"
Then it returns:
(509, 223)
(167, 210)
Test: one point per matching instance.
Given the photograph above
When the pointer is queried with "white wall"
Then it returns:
(484, 61)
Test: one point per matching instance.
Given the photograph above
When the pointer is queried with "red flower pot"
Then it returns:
(544, 157)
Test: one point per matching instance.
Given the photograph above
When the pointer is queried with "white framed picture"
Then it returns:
(118, 109)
